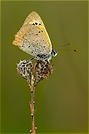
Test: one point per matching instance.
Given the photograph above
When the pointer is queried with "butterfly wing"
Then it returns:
(32, 37)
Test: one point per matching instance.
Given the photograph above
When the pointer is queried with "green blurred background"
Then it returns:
(62, 100)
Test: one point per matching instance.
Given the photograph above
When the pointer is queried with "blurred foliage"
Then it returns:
(62, 100)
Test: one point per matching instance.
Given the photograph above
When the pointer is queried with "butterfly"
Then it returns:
(34, 39)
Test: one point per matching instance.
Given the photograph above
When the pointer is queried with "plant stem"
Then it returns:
(34, 73)
(32, 87)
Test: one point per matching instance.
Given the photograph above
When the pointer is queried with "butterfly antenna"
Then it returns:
(65, 45)
(75, 50)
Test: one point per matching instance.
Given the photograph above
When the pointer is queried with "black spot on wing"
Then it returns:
(36, 23)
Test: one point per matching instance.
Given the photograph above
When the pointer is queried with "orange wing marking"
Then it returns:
(19, 36)
(44, 32)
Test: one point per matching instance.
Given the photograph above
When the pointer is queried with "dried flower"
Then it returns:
(42, 70)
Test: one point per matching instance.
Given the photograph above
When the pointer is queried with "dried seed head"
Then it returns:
(43, 70)
(24, 68)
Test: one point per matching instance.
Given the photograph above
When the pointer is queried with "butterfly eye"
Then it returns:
(54, 53)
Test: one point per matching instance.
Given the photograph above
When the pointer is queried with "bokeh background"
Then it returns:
(62, 100)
